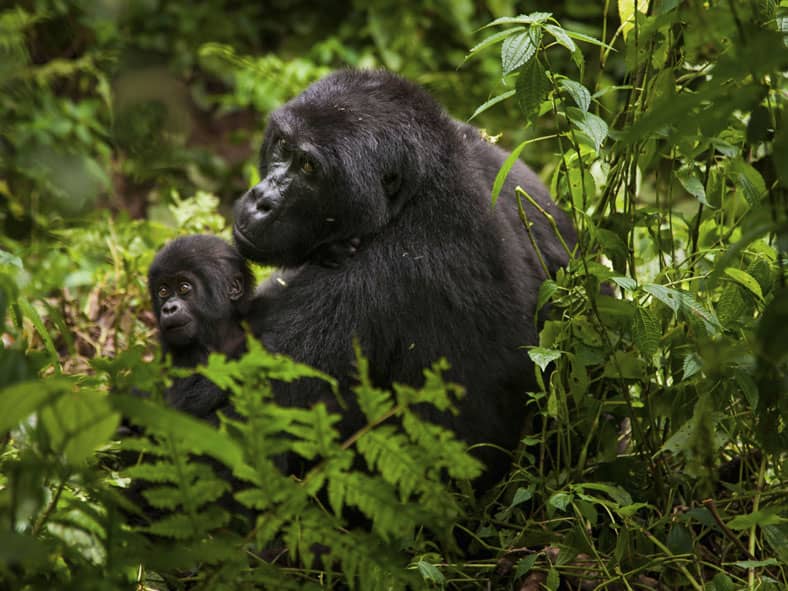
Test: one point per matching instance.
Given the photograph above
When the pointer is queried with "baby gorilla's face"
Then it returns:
(200, 287)
(176, 305)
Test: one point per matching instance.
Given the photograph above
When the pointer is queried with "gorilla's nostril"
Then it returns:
(264, 206)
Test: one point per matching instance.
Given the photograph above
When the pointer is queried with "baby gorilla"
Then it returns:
(200, 288)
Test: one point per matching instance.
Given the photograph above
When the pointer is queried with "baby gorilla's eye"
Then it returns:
(164, 291)
(184, 287)
(308, 166)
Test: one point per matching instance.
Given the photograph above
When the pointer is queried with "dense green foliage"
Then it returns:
(657, 457)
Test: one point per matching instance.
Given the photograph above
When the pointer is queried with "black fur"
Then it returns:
(205, 319)
(438, 271)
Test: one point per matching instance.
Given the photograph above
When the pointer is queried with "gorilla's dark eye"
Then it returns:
(281, 144)
(184, 287)
(308, 166)
(164, 291)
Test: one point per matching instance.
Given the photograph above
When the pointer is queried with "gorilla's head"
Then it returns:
(200, 287)
(339, 161)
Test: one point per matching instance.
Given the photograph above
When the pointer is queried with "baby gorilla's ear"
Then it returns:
(235, 290)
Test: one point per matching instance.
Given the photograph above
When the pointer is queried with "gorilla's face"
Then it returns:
(289, 213)
(332, 169)
(199, 288)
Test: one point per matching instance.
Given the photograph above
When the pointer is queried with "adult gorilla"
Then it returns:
(438, 270)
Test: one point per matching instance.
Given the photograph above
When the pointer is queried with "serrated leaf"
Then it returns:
(679, 441)
(492, 102)
(532, 88)
(592, 126)
(543, 357)
(520, 48)
(691, 366)
(645, 331)
(430, 573)
(768, 516)
(561, 37)
(745, 280)
(691, 182)
(777, 537)
(625, 282)
(749, 180)
(679, 300)
(578, 92)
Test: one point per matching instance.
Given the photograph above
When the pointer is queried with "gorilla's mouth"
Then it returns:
(176, 326)
(246, 245)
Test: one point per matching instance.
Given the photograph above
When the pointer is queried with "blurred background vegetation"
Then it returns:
(126, 123)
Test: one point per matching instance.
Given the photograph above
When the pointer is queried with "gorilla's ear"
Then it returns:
(236, 288)
(391, 184)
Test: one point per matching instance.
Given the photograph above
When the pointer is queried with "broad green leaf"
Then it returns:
(769, 516)
(645, 331)
(430, 573)
(524, 565)
(521, 496)
(592, 126)
(561, 37)
(691, 366)
(625, 282)
(560, 500)
(678, 442)
(578, 92)
(553, 580)
(721, 582)
(626, 11)
(749, 180)
(543, 357)
(777, 537)
(620, 496)
(546, 291)
(78, 422)
(493, 39)
(679, 540)
(532, 87)
(745, 280)
(492, 102)
(21, 400)
(756, 563)
(589, 39)
(520, 48)
(625, 365)
(523, 19)
(679, 300)
(691, 182)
